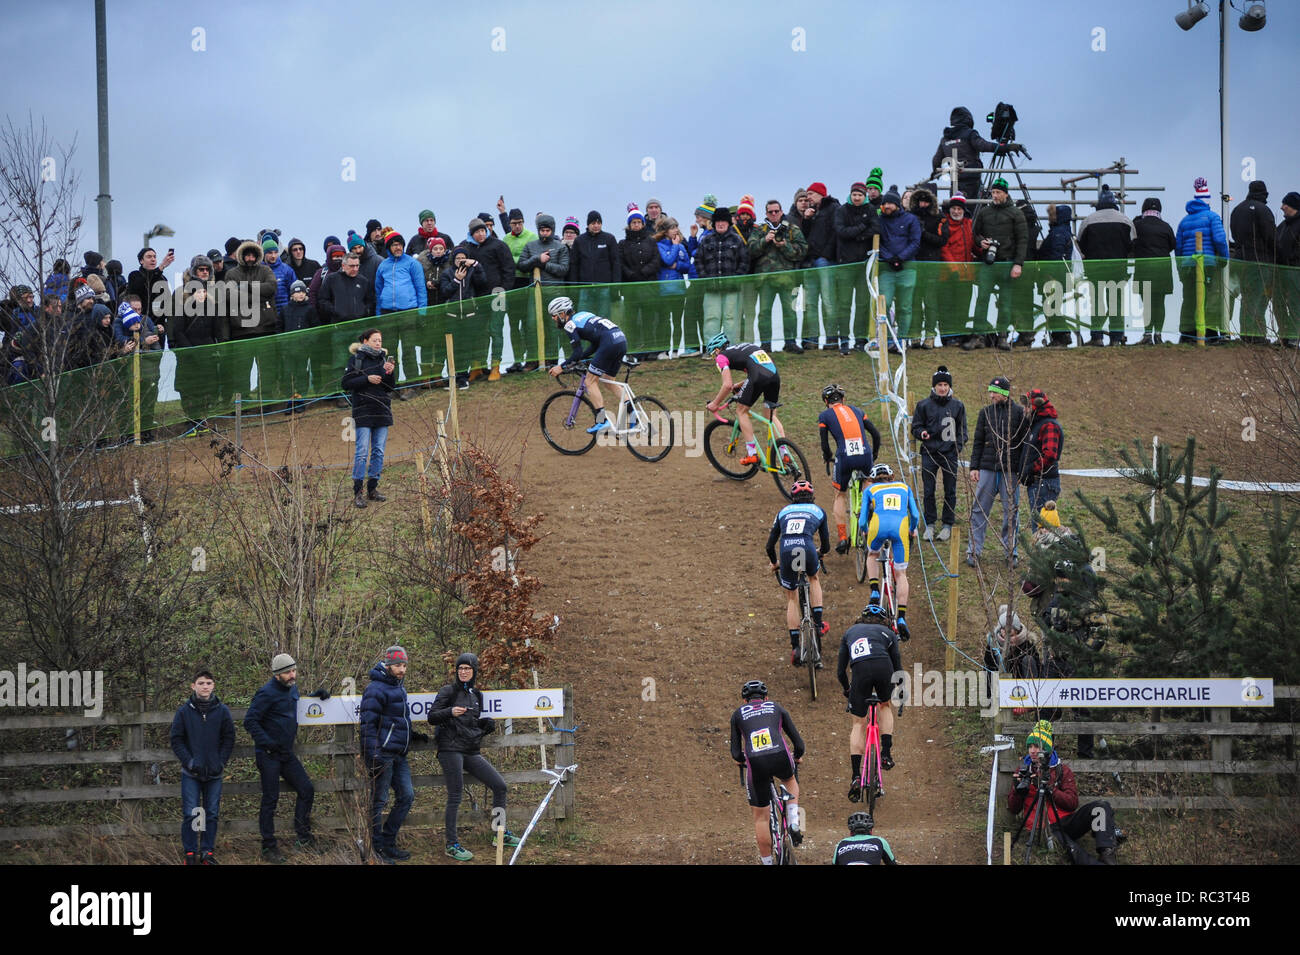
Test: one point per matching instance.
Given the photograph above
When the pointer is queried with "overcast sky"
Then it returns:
(580, 102)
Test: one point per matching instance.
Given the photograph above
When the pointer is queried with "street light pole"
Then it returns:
(1223, 115)
(103, 201)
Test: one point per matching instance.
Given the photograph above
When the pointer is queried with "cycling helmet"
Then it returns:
(752, 689)
(875, 610)
(561, 304)
(832, 393)
(801, 487)
(881, 470)
(861, 823)
(717, 342)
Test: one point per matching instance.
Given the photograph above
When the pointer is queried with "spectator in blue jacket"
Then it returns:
(399, 280)
(284, 276)
(1055, 254)
(386, 736)
(272, 722)
(202, 737)
(1214, 245)
(900, 239)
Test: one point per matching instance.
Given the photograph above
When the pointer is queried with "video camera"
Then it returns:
(1003, 122)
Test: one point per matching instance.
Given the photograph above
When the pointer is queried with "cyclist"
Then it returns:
(758, 746)
(608, 346)
(867, 664)
(861, 847)
(762, 380)
(890, 515)
(795, 527)
(849, 427)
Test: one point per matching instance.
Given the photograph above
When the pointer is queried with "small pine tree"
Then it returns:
(1176, 603)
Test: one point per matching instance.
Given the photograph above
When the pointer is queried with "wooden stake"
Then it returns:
(452, 386)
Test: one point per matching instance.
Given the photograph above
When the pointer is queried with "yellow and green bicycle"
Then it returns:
(724, 446)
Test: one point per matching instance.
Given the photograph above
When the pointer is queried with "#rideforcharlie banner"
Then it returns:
(499, 704)
(1122, 693)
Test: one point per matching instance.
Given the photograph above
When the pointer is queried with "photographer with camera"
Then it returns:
(962, 136)
(1001, 242)
(1042, 771)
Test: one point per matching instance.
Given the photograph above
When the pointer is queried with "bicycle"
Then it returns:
(872, 765)
(810, 648)
(857, 537)
(724, 446)
(641, 421)
(778, 820)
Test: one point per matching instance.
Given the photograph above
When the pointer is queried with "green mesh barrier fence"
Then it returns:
(812, 307)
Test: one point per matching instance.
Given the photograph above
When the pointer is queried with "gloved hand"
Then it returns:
(827, 458)
(321, 694)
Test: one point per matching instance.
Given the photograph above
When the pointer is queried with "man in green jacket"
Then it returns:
(1002, 240)
(776, 246)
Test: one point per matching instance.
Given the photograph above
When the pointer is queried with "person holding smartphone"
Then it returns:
(369, 377)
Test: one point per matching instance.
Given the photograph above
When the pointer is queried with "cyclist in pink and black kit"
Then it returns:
(762, 380)
(758, 745)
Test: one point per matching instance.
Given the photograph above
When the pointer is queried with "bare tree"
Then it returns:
(40, 205)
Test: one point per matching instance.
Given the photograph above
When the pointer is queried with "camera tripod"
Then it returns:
(1040, 830)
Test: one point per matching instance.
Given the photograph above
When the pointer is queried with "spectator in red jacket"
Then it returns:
(1040, 463)
(1061, 803)
(955, 282)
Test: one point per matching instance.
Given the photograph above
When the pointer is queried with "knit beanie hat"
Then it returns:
(570, 222)
(1201, 188)
(819, 188)
(516, 215)
(876, 180)
(298, 286)
(1040, 736)
(1107, 200)
(652, 201)
(372, 225)
(707, 206)
(394, 654)
(270, 245)
(354, 241)
(393, 236)
(891, 196)
(1257, 190)
(129, 316)
(1291, 200)
(747, 207)
(475, 224)
(92, 259)
(426, 214)
(545, 221)
(1001, 386)
(83, 292)
(282, 663)
(941, 374)
(958, 198)
(331, 240)
(1000, 183)
(721, 214)
(1049, 515)
(858, 187)
(594, 216)
(633, 213)
(1151, 204)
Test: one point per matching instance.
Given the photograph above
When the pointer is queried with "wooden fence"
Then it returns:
(1221, 767)
(137, 762)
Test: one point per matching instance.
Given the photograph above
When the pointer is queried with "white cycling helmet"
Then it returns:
(561, 304)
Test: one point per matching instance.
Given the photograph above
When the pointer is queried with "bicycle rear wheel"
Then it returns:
(559, 433)
(655, 438)
(774, 826)
(786, 474)
(724, 447)
(808, 649)
(872, 757)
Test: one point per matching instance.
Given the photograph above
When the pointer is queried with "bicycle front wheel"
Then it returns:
(787, 851)
(654, 437)
(790, 465)
(565, 435)
(860, 560)
(724, 447)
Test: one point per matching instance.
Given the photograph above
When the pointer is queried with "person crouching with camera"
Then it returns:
(1043, 768)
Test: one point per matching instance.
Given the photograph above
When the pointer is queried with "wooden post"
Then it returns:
(500, 840)
(135, 384)
(1221, 751)
(452, 386)
(1006, 847)
(239, 428)
(541, 319)
(1200, 290)
(426, 521)
(133, 767)
(954, 558)
(440, 449)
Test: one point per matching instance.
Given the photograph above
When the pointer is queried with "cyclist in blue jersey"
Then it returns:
(758, 745)
(608, 346)
(762, 380)
(861, 847)
(795, 528)
(849, 427)
(889, 514)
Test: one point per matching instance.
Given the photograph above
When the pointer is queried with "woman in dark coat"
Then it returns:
(369, 377)
(1151, 250)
